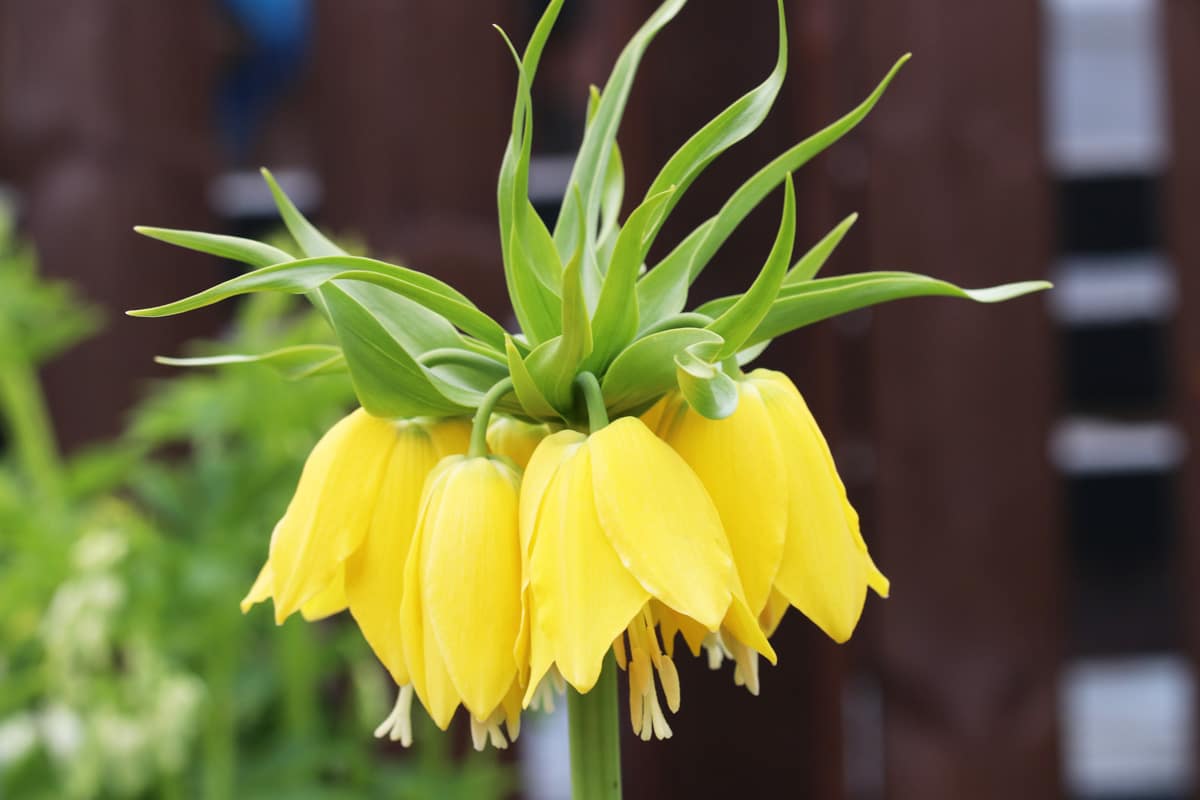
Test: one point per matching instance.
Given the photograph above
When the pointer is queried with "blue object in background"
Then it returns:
(278, 35)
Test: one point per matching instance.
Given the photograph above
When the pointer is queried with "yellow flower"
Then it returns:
(618, 535)
(795, 536)
(345, 536)
(515, 439)
(461, 611)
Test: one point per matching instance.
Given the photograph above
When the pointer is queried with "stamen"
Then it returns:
(398, 725)
(715, 648)
(746, 672)
(645, 657)
(661, 729)
(619, 651)
(668, 676)
(478, 734)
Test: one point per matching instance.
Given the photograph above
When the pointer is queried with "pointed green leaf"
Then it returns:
(811, 262)
(533, 298)
(247, 251)
(731, 126)
(812, 301)
(737, 323)
(389, 382)
(310, 273)
(288, 360)
(591, 164)
(705, 386)
(614, 188)
(616, 319)
(311, 240)
(555, 363)
(533, 402)
(665, 286)
(645, 370)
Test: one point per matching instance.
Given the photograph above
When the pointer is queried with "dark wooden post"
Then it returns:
(106, 116)
(968, 506)
(1181, 21)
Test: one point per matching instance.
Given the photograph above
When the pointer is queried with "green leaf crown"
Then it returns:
(583, 295)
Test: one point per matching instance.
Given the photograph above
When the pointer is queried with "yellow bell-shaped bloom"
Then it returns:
(515, 439)
(461, 611)
(618, 534)
(345, 536)
(795, 537)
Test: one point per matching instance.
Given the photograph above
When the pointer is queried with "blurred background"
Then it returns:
(1024, 472)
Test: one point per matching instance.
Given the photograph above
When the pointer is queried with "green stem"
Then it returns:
(463, 358)
(483, 414)
(595, 738)
(594, 398)
(22, 402)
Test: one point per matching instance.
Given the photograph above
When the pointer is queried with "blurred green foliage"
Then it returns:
(126, 669)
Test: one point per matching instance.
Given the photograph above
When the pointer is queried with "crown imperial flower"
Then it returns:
(478, 586)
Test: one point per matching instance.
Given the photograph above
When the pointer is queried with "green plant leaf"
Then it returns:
(418, 327)
(805, 303)
(738, 321)
(615, 322)
(311, 240)
(614, 188)
(645, 370)
(591, 164)
(811, 262)
(731, 126)
(294, 361)
(555, 363)
(707, 389)
(532, 401)
(663, 289)
(522, 243)
(388, 381)
(306, 274)
(247, 251)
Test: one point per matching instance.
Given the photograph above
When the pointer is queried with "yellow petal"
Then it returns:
(772, 615)
(660, 415)
(451, 437)
(471, 579)
(261, 590)
(743, 625)
(541, 469)
(823, 572)
(671, 623)
(329, 601)
(514, 439)
(583, 597)
(328, 516)
(661, 521)
(375, 572)
(739, 461)
(426, 668)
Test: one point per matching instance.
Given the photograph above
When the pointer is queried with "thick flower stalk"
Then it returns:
(623, 482)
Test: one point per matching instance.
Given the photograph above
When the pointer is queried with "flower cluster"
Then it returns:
(509, 507)
(483, 578)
